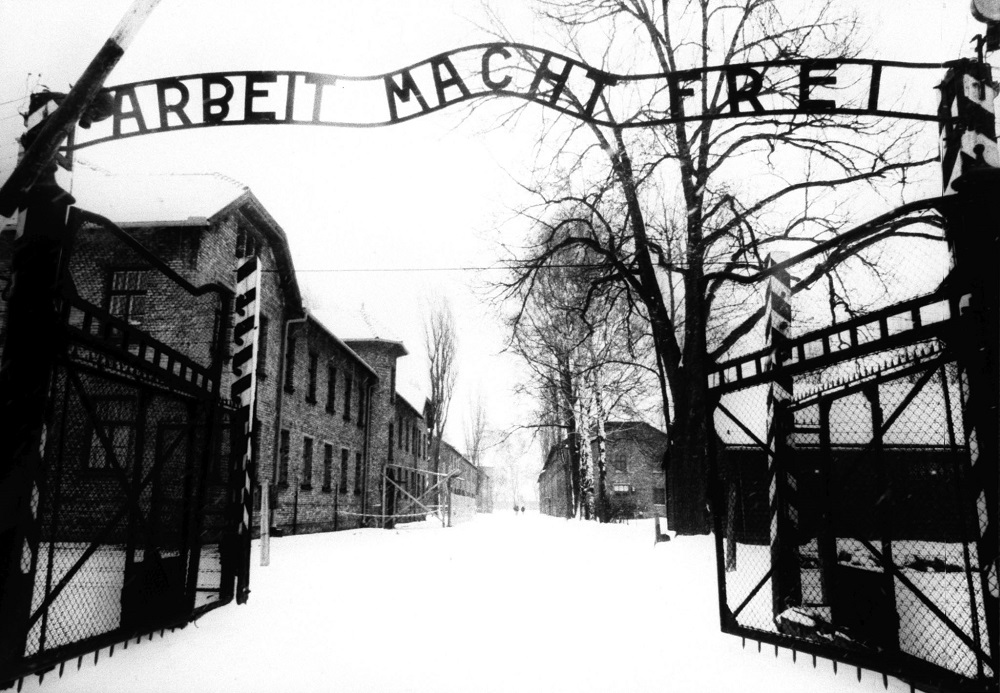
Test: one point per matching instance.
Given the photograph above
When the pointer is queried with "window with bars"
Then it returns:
(327, 466)
(357, 474)
(115, 422)
(307, 463)
(262, 347)
(343, 470)
(347, 397)
(391, 432)
(283, 445)
(127, 295)
(290, 365)
(246, 242)
(362, 400)
(619, 462)
(313, 368)
(331, 388)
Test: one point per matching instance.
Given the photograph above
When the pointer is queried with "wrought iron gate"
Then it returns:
(851, 519)
(137, 496)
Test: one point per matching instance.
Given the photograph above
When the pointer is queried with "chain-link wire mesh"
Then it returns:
(847, 509)
(135, 501)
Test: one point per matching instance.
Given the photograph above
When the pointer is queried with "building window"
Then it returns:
(290, 365)
(283, 445)
(347, 397)
(391, 431)
(127, 295)
(406, 441)
(399, 427)
(307, 463)
(392, 385)
(115, 420)
(342, 488)
(327, 466)
(622, 488)
(331, 388)
(357, 474)
(660, 495)
(361, 404)
(313, 366)
(262, 348)
(619, 462)
(246, 243)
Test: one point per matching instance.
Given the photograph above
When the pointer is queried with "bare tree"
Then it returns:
(588, 354)
(440, 341)
(674, 212)
(475, 430)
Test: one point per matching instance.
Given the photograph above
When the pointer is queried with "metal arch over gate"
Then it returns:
(950, 350)
(502, 69)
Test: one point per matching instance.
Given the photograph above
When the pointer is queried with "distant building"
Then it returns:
(635, 480)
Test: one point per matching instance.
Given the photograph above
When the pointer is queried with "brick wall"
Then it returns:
(381, 355)
(329, 419)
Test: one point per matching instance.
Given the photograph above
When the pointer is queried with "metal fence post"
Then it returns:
(973, 229)
(265, 522)
(969, 157)
(34, 341)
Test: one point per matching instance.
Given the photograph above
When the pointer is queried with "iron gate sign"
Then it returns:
(784, 87)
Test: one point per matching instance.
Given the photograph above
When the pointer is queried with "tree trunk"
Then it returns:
(602, 450)
(586, 458)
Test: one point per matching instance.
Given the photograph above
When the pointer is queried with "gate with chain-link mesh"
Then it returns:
(851, 519)
(136, 508)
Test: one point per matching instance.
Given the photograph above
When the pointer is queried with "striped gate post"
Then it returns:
(969, 159)
(967, 121)
(246, 320)
(786, 584)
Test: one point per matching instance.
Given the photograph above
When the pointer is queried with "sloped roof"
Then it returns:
(406, 400)
(157, 199)
(339, 342)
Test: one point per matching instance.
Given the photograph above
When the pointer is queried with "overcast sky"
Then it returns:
(431, 193)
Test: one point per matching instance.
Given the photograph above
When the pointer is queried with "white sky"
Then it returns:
(430, 193)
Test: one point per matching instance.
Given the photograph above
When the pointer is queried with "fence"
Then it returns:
(136, 509)
(851, 520)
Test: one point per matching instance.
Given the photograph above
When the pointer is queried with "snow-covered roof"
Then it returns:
(150, 198)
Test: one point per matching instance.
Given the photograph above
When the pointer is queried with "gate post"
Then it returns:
(973, 233)
(786, 582)
(34, 342)
(245, 329)
(973, 229)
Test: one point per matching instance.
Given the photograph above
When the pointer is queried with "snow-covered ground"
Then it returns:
(501, 603)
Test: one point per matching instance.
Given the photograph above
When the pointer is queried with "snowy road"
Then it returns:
(504, 603)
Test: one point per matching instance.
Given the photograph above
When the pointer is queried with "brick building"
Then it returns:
(635, 480)
(464, 486)
(322, 430)
(328, 417)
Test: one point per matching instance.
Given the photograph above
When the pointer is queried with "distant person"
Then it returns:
(522, 509)
(515, 508)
